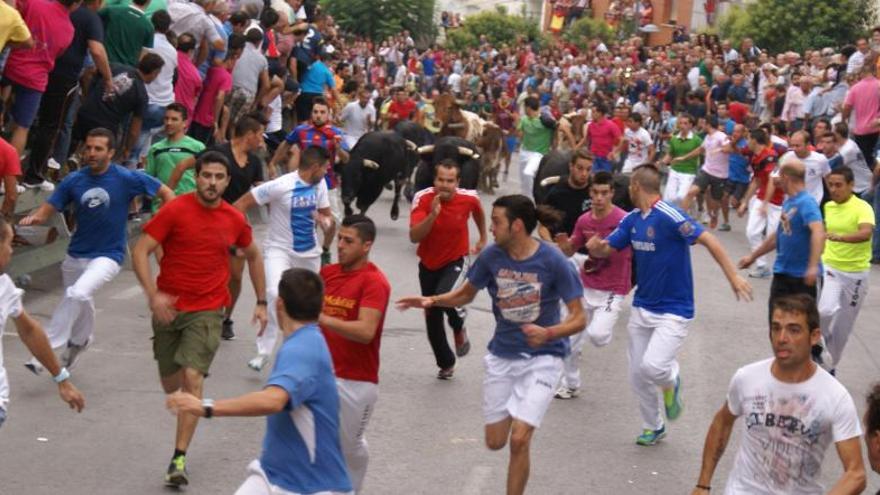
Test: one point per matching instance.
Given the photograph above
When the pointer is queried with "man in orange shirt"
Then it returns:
(438, 223)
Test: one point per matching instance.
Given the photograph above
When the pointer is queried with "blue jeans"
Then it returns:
(873, 197)
(153, 118)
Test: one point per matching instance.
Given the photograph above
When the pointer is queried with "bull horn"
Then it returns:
(371, 164)
(426, 149)
(411, 145)
(465, 151)
(456, 125)
(549, 181)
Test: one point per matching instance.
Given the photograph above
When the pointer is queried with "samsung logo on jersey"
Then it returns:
(643, 246)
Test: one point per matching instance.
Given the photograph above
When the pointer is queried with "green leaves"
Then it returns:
(498, 27)
(379, 19)
(798, 25)
(586, 28)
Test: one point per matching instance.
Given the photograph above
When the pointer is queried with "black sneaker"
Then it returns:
(177, 475)
(227, 333)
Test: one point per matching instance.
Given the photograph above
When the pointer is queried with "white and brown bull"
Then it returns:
(487, 136)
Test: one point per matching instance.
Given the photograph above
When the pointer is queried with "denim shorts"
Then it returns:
(25, 105)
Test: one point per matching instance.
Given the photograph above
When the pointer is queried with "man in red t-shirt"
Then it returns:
(356, 295)
(402, 108)
(196, 232)
(764, 209)
(10, 168)
(438, 223)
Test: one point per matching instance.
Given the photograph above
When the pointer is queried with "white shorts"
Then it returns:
(519, 388)
(258, 484)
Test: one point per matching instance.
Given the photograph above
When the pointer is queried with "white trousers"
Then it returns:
(654, 340)
(677, 186)
(74, 319)
(356, 402)
(528, 168)
(602, 310)
(335, 197)
(839, 304)
(258, 484)
(759, 226)
(276, 262)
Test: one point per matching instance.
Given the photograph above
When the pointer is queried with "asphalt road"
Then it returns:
(426, 435)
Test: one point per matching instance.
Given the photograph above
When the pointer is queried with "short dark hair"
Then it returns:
(448, 163)
(213, 157)
(236, 42)
(582, 154)
(302, 293)
(186, 42)
(797, 303)
(238, 18)
(104, 133)
(254, 35)
(636, 117)
(712, 120)
(179, 108)
(251, 122)
(688, 117)
(518, 207)
(313, 156)
(602, 178)
(841, 129)
(150, 63)
(760, 136)
(872, 415)
(844, 172)
(532, 103)
(364, 226)
(320, 100)
(161, 21)
(601, 108)
(269, 17)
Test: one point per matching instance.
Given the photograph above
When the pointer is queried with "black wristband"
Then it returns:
(262, 302)
(705, 487)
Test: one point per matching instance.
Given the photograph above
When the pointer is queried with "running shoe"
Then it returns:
(177, 475)
(759, 272)
(259, 362)
(672, 400)
(446, 373)
(725, 227)
(72, 353)
(44, 185)
(227, 333)
(462, 343)
(566, 393)
(651, 437)
(821, 356)
(34, 366)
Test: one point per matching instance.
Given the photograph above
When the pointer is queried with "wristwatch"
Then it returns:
(61, 376)
(208, 406)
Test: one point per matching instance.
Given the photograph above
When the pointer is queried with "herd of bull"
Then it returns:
(404, 158)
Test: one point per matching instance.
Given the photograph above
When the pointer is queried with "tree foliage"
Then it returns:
(499, 27)
(798, 25)
(379, 19)
(581, 31)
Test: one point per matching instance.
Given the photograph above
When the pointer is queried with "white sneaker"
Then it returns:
(34, 366)
(759, 272)
(258, 363)
(72, 353)
(567, 393)
(45, 186)
(53, 164)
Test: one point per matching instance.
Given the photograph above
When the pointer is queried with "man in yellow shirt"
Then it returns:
(13, 30)
(849, 223)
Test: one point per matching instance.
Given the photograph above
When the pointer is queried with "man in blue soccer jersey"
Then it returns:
(663, 307)
(301, 449)
(526, 279)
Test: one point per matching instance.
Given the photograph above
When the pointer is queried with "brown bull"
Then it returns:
(491, 145)
(453, 121)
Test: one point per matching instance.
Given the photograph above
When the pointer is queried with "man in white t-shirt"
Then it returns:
(298, 203)
(638, 142)
(712, 177)
(30, 332)
(357, 118)
(792, 411)
(816, 164)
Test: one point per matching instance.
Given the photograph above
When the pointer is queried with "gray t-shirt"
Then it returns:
(246, 74)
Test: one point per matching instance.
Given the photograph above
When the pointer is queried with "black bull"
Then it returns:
(378, 158)
(459, 150)
(554, 169)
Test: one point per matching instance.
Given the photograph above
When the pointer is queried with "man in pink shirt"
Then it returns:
(712, 178)
(208, 124)
(602, 135)
(864, 98)
(189, 81)
(606, 281)
(27, 70)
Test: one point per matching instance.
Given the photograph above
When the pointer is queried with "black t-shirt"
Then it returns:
(129, 97)
(87, 27)
(572, 202)
(244, 176)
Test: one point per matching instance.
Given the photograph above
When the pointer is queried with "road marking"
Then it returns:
(128, 293)
(478, 476)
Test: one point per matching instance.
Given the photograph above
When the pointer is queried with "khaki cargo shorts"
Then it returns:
(190, 341)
